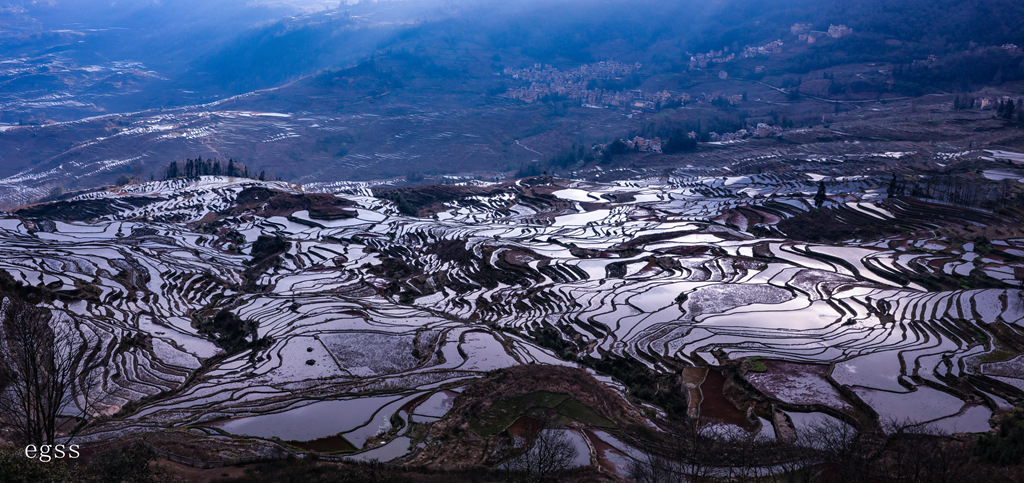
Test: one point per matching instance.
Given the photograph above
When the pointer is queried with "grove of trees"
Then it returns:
(192, 168)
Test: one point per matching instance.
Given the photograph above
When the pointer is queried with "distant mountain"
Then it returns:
(381, 90)
(233, 46)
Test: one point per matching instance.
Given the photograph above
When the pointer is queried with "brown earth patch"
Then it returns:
(82, 210)
(266, 202)
(716, 406)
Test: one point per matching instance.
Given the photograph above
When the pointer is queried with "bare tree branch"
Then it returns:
(40, 360)
(552, 452)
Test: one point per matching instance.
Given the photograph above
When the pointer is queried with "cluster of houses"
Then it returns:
(771, 48)
(702, 61)
(540, 81)
(643, 145)
(545, 80)
(654, 145)
(994, 102)
(543, 73)
(761, 130)
(804, 33)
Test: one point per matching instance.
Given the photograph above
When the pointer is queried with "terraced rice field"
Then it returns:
(371, 320)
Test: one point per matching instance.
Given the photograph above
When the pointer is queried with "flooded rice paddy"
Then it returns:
(371, 320)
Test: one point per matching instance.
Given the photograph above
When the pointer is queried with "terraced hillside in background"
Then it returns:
(342, 323)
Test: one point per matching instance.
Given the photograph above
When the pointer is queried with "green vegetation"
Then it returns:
(404, 207)
(231, 333)
(126, 464)
(266, 247)
(15, 467)
(756, 365)
(550, 337)
(129, 464)
(538, 405)
(675, 132)
(529, 170)
(679, 142)
(572, 158)
(575, 411)
(963, 70)
(191, 168)
(659, 389)
(1006, 446)
(294, 470)
(997, 355)
(266, 254)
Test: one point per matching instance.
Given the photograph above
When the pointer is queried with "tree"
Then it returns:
(617, 147)
(821, 197)
(552, 452)
(679, 142)
(920, 453)
(896, 188)
(651, 468)
(839, 446)
(41, 360)
(172, 170)
(699, 452)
